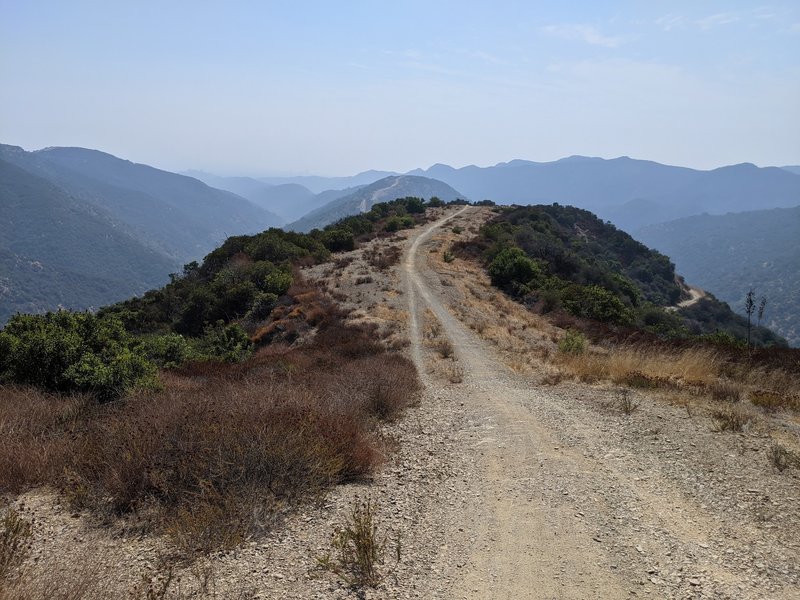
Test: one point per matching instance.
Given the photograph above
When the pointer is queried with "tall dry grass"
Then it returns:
(706, 372)
(695, 366)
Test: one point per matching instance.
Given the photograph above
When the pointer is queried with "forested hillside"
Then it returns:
(247, 277)
(565, 258)
(58, 251)
(730, 254)
(176, 215)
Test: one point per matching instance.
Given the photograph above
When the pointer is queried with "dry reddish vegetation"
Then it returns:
(223, 450)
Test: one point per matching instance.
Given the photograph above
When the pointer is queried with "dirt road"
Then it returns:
(565, 503)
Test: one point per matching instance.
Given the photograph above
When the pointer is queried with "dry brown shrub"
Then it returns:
(725, 391)
(222, 450)
(637, 379)
(552, 378)
(382, 258)
(782, 458)
(455, 374)
(730, 418)
(15, 534)
(34, 427)
(443, 347)
(309, 308)
(771, 401)
(342, 262)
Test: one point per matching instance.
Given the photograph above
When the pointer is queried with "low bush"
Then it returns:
(338, 240)
(443, 347)
(397, 223)
(573, 342)
(730, 418)
(384, 258)
(626, 402)
(359, 546)
(782, 458)
(228, 343)
(595, 302)
(514, 271)
(167, 351)
(637, 379)
(725, 391)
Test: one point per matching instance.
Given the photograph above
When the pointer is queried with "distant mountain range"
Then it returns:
(729, 254)
(317, 184)
(82, 228)
(630, 193)
(363, 198)
(151, 221)
(289, 200)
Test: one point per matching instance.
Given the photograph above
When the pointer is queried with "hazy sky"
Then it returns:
(341, 86)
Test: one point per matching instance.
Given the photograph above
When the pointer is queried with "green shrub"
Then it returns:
(594, 302)
(278, 282)
(337, 240)
(73, 352)
(227, 343)
(110, 379)
(514, 271)
(550, 299)
(396, 223)
(359, 547)
(167, 351)
(415, 206)
(435, 202)
(573, 342)
(660, 321)
(263, 304)
(723, 338)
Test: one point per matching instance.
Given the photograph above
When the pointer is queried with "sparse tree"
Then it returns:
(749, 308)
(762, 304)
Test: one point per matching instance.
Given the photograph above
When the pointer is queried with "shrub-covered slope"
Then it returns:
(562, 257)
(221, 442)
(248, 276)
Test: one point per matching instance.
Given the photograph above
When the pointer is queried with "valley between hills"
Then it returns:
(517, 473)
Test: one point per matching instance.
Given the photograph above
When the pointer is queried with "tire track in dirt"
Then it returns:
(522, 550)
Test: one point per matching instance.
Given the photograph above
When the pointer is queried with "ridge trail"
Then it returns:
(522, 550)
(556, 504)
